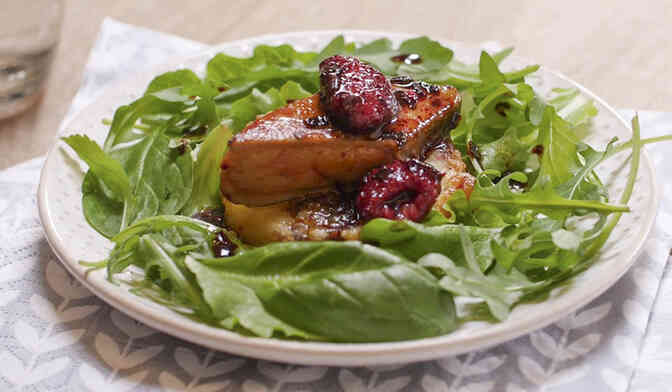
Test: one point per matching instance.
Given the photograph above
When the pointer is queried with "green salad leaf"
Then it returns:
(537, 245)
(340, 291)
(537, 215)
(573, 106)
(246, 109)
(413, 240)
(205, 192)
(269, 67)
(499, 289)
(506, 154)
(106, 187)
(159, 245)
(495, 204)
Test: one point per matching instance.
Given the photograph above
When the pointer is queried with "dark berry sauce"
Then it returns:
(407, 58)
(222, 245)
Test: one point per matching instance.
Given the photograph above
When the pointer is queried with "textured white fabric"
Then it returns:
(56, 336)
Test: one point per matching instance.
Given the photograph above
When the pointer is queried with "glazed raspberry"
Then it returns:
(399, 190)
(356, 96)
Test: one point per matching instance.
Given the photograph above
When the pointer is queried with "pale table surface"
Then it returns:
(619, 49)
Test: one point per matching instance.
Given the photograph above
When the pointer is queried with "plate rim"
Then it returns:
(324, 353)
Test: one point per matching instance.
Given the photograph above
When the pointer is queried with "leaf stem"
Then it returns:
(627, 192)
(142, 127)
(592, 205)
(628, 145)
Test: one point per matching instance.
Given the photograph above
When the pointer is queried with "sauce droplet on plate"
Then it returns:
(222, 245)
(407, 58)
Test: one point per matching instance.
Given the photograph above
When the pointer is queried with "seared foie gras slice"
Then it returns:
(296, 150)
(333, 215)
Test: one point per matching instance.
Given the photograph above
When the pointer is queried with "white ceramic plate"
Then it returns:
(72, 239)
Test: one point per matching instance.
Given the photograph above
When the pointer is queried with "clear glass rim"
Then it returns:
(54, 22)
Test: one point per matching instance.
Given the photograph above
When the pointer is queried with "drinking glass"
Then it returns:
(29, 32)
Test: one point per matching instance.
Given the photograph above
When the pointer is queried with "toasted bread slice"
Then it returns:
(296, 150)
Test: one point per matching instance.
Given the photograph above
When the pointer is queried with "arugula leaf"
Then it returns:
(159, 245)
(148, 139)
(340, 291)
(493, 205)
(591, 247)
(205, 191)
(379, 53)
(584, 183)
(431, 56)
(559, 160)
(465, 76)
(627, 192)
(336, 46)
(246, 109)
(160, 179)
(495, 132)
(488, 70)
(268, 67)
(506, 154)
(162, 155)
(500, 290)
(573, 106)
(178, 101)
(540, 244)
(179, 78)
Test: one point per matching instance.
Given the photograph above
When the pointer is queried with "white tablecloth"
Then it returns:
(56, 336)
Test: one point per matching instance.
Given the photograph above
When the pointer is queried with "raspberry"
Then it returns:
(356, 96)
(399, 190)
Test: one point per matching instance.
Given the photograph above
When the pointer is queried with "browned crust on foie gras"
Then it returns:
(295, 150)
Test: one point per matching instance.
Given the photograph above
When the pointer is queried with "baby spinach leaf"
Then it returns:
(340, 291)
(234, 303)
(102, 212)
(116, 184)
(413, 240)
(107, 199)
(161, 177)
